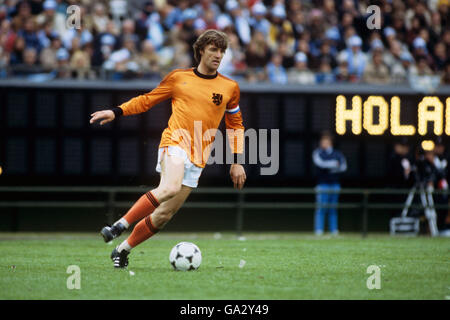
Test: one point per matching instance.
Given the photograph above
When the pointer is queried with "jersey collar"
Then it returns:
(205, 76)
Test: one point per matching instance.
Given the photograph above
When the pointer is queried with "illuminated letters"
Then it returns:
(430, 109)
(343, 114)
(434, 115)
(396, 128)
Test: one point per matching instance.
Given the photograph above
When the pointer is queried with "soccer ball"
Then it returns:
(185, 256)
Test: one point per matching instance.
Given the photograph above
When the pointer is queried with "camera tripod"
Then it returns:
(426, 197)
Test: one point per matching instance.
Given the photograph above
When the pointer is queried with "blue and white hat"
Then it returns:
(189, 14)
(333, 34)
(301, 57)
(231, 5)
(355, 41)
(419, 43)
(406, 56)
(389, 31)
(376, 44)
(223, 21)
(279, 11)
(50, 5)
(259, 9)
(62, 54)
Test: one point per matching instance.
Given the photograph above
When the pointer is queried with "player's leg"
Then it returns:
(172, 172)
(148, 226)
(319, 216)
(333, 199)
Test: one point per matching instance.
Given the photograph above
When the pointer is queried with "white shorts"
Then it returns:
(191, 171)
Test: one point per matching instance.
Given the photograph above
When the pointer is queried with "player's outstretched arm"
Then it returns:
(104, 116)
(238, 176)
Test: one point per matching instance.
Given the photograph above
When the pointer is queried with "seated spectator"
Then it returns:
(148, 58)
(376, 71)
(29, 34)
(29, 65)
(63, 71)
(257, 54)
(400, 69)
(355, 57)
(446, 73)
(48, 58)
(100, 18)
(49, 16)
(300, 74)
(258, 20)
(275, 70)
(325, 73)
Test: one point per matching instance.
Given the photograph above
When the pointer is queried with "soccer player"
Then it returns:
(200, 98)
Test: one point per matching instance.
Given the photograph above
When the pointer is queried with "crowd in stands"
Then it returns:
(277, 41)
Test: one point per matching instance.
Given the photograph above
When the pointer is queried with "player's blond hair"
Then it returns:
(210, 36)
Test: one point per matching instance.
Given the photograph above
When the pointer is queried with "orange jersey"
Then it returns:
(199, 103)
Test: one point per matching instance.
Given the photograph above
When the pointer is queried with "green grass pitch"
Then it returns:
(277, 266)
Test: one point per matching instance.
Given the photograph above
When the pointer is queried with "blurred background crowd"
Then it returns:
(277, 41)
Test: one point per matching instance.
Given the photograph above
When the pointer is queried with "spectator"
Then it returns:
(446, 73)
(376, 72)
(325, 74)
(278, 25)
(48, 58)
(63, 71)
(401, 69)
(330, 163)
(275, 70)
(100, 18)
(257, 54)
(300, 74)
(148, 59)
(258, 20)
(356, 59)
(49, 16)
(240, 22)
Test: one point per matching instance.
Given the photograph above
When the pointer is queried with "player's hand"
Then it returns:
(238, 176)
(103, 116)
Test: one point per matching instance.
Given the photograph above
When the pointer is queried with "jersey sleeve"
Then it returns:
(233, 123)
(144, 102)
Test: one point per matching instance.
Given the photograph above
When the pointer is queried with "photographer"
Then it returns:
(399, 174)
(441, 165)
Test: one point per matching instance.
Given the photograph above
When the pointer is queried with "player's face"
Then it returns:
(212, 56)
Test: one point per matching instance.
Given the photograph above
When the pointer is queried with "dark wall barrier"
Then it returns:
(46, 138)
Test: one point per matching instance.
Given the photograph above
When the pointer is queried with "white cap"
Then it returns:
(231, 5)
(355, 41)
(259, 9)
(49, 5)
(279, 11)
(62, 54)
(301, 57)
(419, 43)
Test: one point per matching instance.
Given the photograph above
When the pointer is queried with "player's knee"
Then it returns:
(171, 191)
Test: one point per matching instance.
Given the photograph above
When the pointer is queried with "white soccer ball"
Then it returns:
(185, 256)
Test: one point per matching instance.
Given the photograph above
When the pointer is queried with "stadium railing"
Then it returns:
(239, 204)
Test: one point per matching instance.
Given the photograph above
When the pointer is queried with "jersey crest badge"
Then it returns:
(217, 98)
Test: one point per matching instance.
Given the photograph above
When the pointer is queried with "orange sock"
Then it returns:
(143, 230)
(142, 208)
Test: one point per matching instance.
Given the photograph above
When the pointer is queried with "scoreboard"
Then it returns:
(46, 138)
